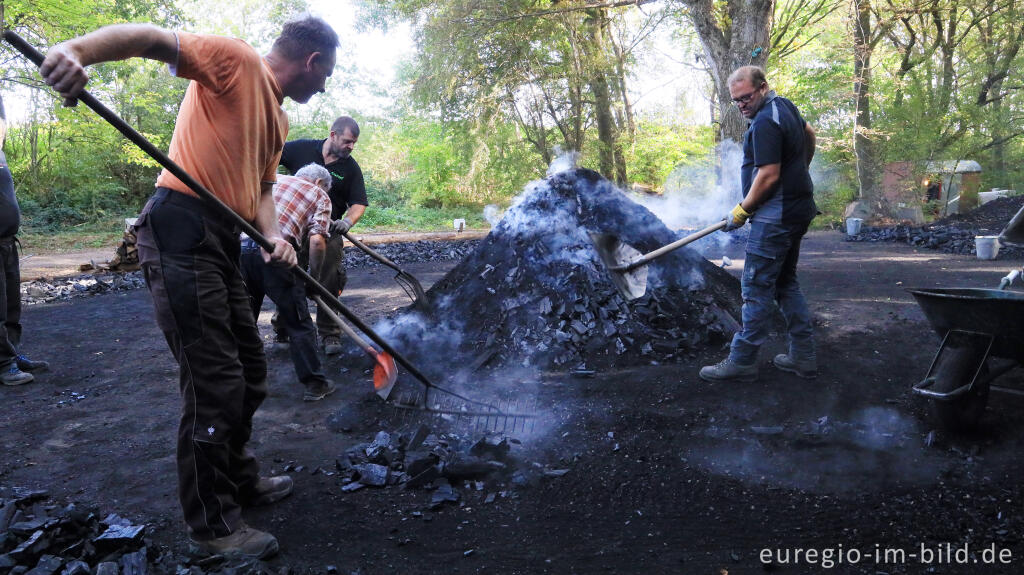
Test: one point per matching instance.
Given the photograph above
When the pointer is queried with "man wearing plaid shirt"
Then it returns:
(303, 207)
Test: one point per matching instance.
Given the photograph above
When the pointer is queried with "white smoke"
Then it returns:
(565, 161)
(699, 195)
(492, 214)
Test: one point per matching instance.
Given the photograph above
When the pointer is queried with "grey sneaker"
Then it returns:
(726, 370)
(244, 542)
(270, 490)
(332, 345)
(318, 391)
(14, 376)
(805, 368)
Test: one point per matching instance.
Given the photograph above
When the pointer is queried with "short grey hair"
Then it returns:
(314, 173)
(345, 123)
(753, 74)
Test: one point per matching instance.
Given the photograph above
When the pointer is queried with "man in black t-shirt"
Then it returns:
(14, 368)
(348, 198)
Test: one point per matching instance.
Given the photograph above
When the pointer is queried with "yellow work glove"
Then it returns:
(736, 218)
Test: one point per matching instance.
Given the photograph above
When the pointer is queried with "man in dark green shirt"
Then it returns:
(348, 198)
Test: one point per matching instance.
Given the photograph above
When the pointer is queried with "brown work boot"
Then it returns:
(243, 542)
(319, 390)
(805, 368)
(727, 370)
(269, 490)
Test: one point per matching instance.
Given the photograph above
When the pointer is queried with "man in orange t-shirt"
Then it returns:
(228, 136)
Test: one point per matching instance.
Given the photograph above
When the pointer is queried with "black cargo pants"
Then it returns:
(10, 304)
(189, 256)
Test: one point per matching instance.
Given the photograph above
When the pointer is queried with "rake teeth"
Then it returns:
(508, 416)
(412, 288)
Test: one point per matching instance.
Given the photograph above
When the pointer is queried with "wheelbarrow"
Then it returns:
(982, 333)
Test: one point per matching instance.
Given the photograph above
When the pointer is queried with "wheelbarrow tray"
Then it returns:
(997, 313)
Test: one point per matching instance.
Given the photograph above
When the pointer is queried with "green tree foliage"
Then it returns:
(556, 70)
(661, 147)
(497, 89)
(69, 165)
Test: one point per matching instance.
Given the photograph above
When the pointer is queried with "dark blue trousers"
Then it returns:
(288, 293)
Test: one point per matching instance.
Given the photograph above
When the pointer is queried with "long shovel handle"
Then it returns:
(139, 140)
(410, 282)
(646, 258)
(372, 253)
(351, 333)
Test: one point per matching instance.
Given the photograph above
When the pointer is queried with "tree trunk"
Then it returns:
(603, 114)
(740, 40)
(620, 73)
(864, 148)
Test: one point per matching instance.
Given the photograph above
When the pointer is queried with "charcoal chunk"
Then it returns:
(47, 565)
(107, 568)
(134, 563)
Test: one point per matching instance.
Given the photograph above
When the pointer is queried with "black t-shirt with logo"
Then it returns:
(347, 186)
(777, 136)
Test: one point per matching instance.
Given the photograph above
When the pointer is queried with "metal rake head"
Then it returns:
(514, 415)
(412, 288)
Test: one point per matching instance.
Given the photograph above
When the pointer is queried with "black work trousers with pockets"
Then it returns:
(10, 304)
(189, 256)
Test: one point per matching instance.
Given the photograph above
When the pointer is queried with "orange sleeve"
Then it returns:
(270, 175)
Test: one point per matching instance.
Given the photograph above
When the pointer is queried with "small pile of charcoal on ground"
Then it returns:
(410, 252)
(38, 537)
(47, 290)
(442, 462)
(535, 293)
(955, 233)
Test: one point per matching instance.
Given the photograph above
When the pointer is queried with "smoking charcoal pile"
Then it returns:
(535, 293)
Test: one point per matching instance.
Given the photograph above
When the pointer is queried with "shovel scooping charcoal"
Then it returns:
(627, 267)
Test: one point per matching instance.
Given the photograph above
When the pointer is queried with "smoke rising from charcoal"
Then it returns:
(833, 454)
(699, 195)
(492, 214)
(566, 160)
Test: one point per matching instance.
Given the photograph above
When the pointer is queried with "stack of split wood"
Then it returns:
(126, 259)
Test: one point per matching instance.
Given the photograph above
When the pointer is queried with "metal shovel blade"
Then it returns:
(385, 373)
(617, 256)
(1013, 233)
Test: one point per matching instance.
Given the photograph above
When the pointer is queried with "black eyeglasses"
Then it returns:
(746, 98)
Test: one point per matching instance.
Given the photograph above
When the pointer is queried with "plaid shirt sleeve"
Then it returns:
(320, 215)
(296, 201)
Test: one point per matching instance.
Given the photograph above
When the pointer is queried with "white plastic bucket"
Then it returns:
(986, 197)
(987, 247)
(853, 226)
